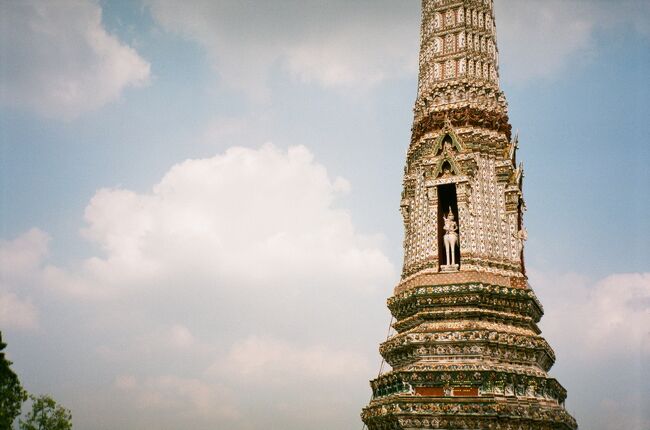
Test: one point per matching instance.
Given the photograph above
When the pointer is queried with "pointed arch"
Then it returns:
(453, 167)
(449, 135)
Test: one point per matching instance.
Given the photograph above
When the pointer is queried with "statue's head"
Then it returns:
(451, 213)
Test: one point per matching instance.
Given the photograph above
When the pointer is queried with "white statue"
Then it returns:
(450, 238)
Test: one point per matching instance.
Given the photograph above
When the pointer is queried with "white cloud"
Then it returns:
(248, 217)
(59, 61)
(179, 369)
(230, 285)
(338, 44)
(237, 277)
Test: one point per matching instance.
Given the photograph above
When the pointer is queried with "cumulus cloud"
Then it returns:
(59, 61)
(215, 298)
(337, 44)
(238, 281)
(247, 217)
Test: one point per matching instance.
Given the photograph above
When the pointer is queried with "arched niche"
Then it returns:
(449, 141)
(446, 167)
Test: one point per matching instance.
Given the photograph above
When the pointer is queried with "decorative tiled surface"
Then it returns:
(489, 205)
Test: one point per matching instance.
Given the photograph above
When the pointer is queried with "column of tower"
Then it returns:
(467, 353)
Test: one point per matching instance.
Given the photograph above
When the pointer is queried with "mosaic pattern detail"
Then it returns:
(489, 231)
(468, 41)
(420, 243)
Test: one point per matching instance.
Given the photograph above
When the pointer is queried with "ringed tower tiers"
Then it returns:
(467, 352)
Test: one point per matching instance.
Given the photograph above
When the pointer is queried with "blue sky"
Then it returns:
(281, 238)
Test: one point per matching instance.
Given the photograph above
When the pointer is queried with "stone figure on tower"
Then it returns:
(450, 239)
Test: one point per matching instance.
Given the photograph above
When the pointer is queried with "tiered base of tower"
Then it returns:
(467, 355)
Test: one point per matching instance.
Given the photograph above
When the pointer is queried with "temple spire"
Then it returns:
(457, 41)
(459, 58)
(467, 352)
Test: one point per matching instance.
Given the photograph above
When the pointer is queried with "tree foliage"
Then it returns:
(46, 414)
(12, 394)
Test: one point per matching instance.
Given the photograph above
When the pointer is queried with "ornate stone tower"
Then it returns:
(467, 353)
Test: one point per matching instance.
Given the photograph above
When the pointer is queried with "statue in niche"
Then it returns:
(450, 239)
